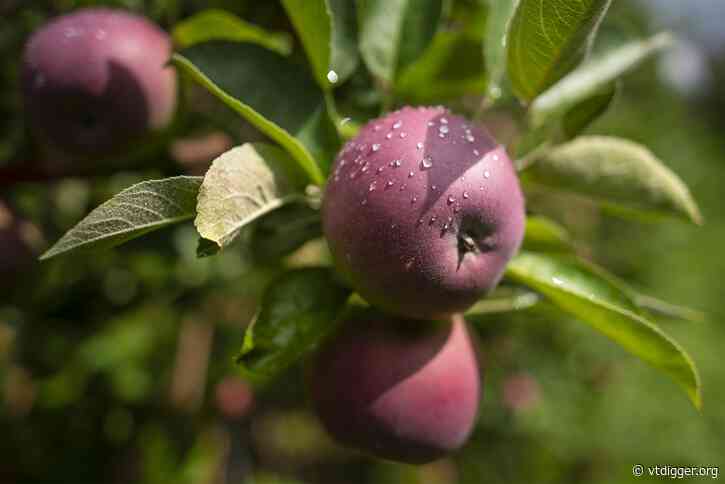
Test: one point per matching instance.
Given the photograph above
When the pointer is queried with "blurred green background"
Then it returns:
(117, 367)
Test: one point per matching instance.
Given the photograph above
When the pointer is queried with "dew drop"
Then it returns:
(419, 145)
(392, 226)
(476, 153)
(420, 221)
(379, 170)
(397, 124)
(456, 209)
(494, 157)
(389, 136)
(432, 220)
(451, 199)
(395, 163)
(486, 174)
(434, 187)
(481, 188)
(389, 183)
(364, 202)
(470, 138)
(413, 199)
(445, 227)
(365, 167)
(403, 134)
(332, 76)
(444, 120)
(426, 162)
(465, 195)
(375, 147)
(443, 129)
(376, 127)
(403, 187)
(431, 124)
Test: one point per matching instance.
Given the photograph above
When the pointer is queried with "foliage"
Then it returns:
(246, 183)
(256, 209)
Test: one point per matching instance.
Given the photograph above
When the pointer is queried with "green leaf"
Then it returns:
(545, 235)
(275, 95)
(499, 21)
(593, 78)
(284, 231)
(241, 185)
(503, 300)
(578, 118)
(137, 210)
(616, 173)
(206, 248)
(582, 291)
(297, 312)
(666, 309)
(394, 33)
(327, 29)
(547, 39)
(214, 24)
(451, 67)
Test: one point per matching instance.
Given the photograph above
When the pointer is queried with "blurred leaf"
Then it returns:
(451, 67)
(214, 24)
(204, 460)
(284, 231)
(593, 78)
(545, 235)
(297, 312)
(657, 307)
(499, 20)
(241, 185)
(394, 33)
(137, 210)
(586, 112)
(327, 29)
(266, 478)
(468, 16)
(665, 309)
(503, 300)
(275, 95)
(614, 172)
(582, 291)
(548, 38)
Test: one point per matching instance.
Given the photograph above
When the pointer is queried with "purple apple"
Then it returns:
(95, 81)
(422, 212)
(399, 389)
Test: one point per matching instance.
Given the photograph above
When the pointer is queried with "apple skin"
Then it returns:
(422, 212)
(398, 389)
(95, 81)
